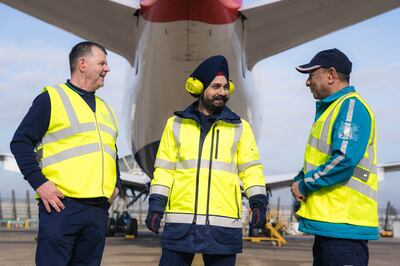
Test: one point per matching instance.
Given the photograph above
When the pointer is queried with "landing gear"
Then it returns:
(121, 222)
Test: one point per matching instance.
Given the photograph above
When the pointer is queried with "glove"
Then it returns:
(153, 221)
(258, 218)
(258, 205)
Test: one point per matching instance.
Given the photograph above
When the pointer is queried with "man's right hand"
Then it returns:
(50, 196)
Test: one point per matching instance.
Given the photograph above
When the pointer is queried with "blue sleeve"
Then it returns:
(28, 134)
(350, 135)
(299, 176)
(157, 203)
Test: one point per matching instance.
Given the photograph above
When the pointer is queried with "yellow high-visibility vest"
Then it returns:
(202, 183)
(78, 151)
(354, 202)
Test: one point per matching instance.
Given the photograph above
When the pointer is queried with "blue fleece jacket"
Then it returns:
(341, 172)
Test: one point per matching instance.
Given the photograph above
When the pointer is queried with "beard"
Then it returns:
(210, 105)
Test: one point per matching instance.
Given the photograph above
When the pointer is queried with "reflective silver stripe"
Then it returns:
(325, 130)
(363, 189)
(236, 139)
(187, 164)
(110, 151)
(255, 190)
(326, 169)
(309, 167)
(343, 147)
(216, 165)
(176, 130)
(70, 153)
(67, 132)
(244, 166)
(81, 128)
(73, 119)
(109, 130)
(361, 174)
(201, 220)
(366, 162)
(320, 145)
(347, 126)
(350, 111)
(159, 189)
(165, 164)
(111, 114)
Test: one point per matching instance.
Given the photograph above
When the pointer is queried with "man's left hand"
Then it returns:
(114, 195)
(294, 188)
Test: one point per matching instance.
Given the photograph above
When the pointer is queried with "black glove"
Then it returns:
(258, 218)
(153, 221)
(258, 205)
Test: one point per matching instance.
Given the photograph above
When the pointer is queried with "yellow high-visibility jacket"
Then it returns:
(78, 151)
(201, 178)
(354, 202)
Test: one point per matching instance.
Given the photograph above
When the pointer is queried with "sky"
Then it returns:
(34, 54)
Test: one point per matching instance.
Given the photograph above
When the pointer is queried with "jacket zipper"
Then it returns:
(209, 175)
(170, 195)
(237, 203)
(216, 146)
(201, 141)
(102, 155)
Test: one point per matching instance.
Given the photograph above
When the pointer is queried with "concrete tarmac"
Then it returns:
(17, 247)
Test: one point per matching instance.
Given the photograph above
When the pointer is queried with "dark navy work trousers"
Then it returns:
(329, 251)
(176, 258)
(74, 236)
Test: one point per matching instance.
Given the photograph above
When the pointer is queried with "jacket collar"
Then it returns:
(225, 115)
(78, 90)
(338, 94)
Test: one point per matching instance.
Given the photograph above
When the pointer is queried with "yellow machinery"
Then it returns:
(273, 230)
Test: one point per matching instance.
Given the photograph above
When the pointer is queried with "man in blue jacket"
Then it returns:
(337, 186)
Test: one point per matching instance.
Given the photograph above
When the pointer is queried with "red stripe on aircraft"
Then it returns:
(207, 11)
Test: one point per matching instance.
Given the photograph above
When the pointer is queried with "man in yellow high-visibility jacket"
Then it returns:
(337, 186)
(204, 151)
(66, 149)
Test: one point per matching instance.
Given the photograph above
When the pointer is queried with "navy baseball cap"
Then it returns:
(209, 68)
(328, 58)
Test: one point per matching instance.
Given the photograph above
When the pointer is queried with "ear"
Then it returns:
(82, 64)
(332, 75)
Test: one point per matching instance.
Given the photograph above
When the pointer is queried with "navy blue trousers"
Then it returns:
(74, 236)
(176, 258)
(329, 251)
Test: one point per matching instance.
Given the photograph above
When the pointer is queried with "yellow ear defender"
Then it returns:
(195, 86)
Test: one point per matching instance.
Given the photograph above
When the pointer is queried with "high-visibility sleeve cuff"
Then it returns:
(159, 189)
(255, 190)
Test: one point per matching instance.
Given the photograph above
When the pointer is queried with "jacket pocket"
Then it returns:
(237, 203)
(175, 231)
(170, 195)
(225, 235)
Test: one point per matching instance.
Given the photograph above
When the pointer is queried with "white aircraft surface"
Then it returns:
(164, 40)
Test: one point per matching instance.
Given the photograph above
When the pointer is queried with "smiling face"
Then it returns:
(95, 68)
(216, 95)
